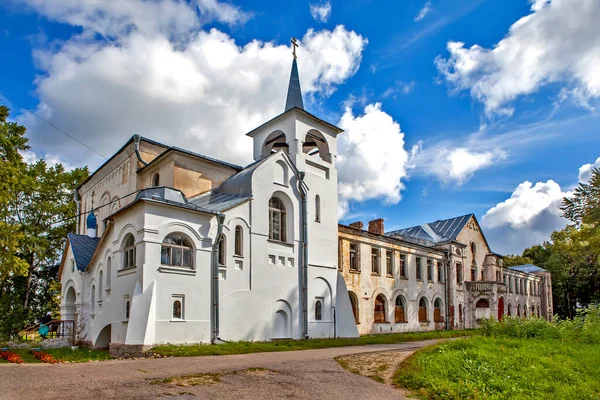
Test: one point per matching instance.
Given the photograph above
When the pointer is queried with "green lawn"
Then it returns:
(504, 368)
(79, 355)
(289, 345)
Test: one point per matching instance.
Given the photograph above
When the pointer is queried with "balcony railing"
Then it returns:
(485, 286)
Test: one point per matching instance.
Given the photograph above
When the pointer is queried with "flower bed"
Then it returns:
(45, 357)
(11, 357)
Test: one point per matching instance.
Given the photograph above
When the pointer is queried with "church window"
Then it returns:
(430, 270)
(460, 313)
(127, 307)
(403, 265)
(459, 273)
(176, 251)
(108, 273)
(129, 251)
(318, 208)
(239, 240)
(473, 273)
(222, 256)
(354, 257)
(423, 310)
(318, 310)
(389, 262)
(100, 279)
(437, 311)
(156, 180)
(93, 301)
(399, 310)
(277, 220)
(375, 261)
(440, 272)
(473, 248)
(482, 274)
(178, 307)
(72, 266)
(418, 268)
(379, 311)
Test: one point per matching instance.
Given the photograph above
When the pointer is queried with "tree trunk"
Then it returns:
(29, 277)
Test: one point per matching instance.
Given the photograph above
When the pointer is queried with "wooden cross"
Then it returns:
(294, 45)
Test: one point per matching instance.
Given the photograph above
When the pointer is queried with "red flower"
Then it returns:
(45, 357)
(11, 357)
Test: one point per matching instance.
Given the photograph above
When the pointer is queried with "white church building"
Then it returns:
(174, 246)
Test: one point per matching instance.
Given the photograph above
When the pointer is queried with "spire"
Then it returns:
(294, 95)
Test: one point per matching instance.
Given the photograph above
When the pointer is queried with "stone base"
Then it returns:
(56, 343)
(121, 350)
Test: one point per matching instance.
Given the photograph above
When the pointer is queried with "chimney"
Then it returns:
(356, 225)
(376, 226)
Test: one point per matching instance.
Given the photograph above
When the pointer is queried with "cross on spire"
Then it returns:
(294, 45)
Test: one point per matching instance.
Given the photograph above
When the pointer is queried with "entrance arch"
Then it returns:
(500, 308)
(104, 337)
(354, 303)
(70, 297)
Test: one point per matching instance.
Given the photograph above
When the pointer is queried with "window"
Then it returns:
(277, 220)
(156, 180)
(354, 303)
(459, 277)
(317, 208)
(222, 257)
(93, 302)
(129, 251)
(473, 274)
(127, 305)
(100, 289)
(375, 261)
(239, 249)
(460, 313)
(403, 265)
(72, 266)
(510, 310)
(318, 310)
(437, 311)
(176, 251)
(510, 284)
(418, 268)
(423, 310)
(354, 257)
(379, 315)
(473, 248)
(482, 274)
(178, 307)
(498, 276)
(430, 270)
(389, 262)
(440, 272)
(399, 314)
(108, 273)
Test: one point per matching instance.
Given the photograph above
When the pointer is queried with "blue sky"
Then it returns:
(434, 129)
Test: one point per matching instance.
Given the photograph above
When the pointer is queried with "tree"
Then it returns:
(514, 260)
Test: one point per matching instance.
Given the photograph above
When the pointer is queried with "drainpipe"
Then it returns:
(214, 293)
(304, 239)
(136, 140)
(76, 198)
(446, 274)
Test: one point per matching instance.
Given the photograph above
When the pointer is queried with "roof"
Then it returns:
(294, 94)
(241, 183)
(172, 149)
(218, 202)
(391, 239)
(528, 268)
(437, 231)
(300, 111)
(83, 248)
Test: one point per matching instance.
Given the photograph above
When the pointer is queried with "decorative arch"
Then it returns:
(274, 142)
(282, 175)
(127, 229)
(104, 337)
(177, 226)
(177, 250)
(423, 309)
(281, 327)
(315, 143)
(509, 310)
(380, 309)
(355, 306)
(400, 309)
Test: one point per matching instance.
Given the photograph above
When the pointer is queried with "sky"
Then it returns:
(449, 107)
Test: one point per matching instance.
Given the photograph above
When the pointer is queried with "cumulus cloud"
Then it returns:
(372, 160)
(557, 43)
(198, 93)
(585, 171)
(423, 12)
(320, 11)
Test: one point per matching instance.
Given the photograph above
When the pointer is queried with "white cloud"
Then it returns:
(423, 12)
(223, 12)
(557, 43)
(51, 159)
(372, 160)
(585, 171)
(321, 11)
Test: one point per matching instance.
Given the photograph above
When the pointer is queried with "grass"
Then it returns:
(290, 345)
(504, 368)
(79, 355)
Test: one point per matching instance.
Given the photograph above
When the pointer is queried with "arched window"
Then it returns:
(100, 279)
(277, 220)
(239, 249)
(316, 144)
(129, 251)
(177, 309)
(93, 302)
(510, 310)
(518, 310)
(459, 277)
(379, 311)
(156, 180)
(399, 310)
(222, 256)
(318, 310)
(533, 311)
(423, 310)
(354, 303)
(460, 313)
(176, 251)
(317, 208)
(437, 311)
(482, 303)
(473, 248)
(108, 273)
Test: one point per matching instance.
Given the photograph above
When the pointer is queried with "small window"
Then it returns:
(222, 257)
(176, 251)
(277, 220)
(403, 265)
(483, 274)
(354, 257)
(318, 310)
(389, 262)
(239, 249)
(129, 251)
(440, 272)
(317, 208)
(459, 273)
(72, 266)
(108, 273)
(429, 270)
(473, 274)
(100, 288)
(375, 261)
(418, 268)
(93, 301)
(156, 180)
(127, 306)
(473, 248)
(178, 307)
(460, 313)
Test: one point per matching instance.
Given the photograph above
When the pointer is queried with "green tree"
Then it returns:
(514, 260)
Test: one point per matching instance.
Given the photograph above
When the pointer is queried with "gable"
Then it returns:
(472, 232)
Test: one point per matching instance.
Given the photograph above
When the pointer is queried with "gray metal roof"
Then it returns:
(83, 248)
(294, 94)
(529, 268)
(217, 201)
(240, 184)
(441, 230)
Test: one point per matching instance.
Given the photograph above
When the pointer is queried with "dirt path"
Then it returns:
(377, 366)
(306, 374)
